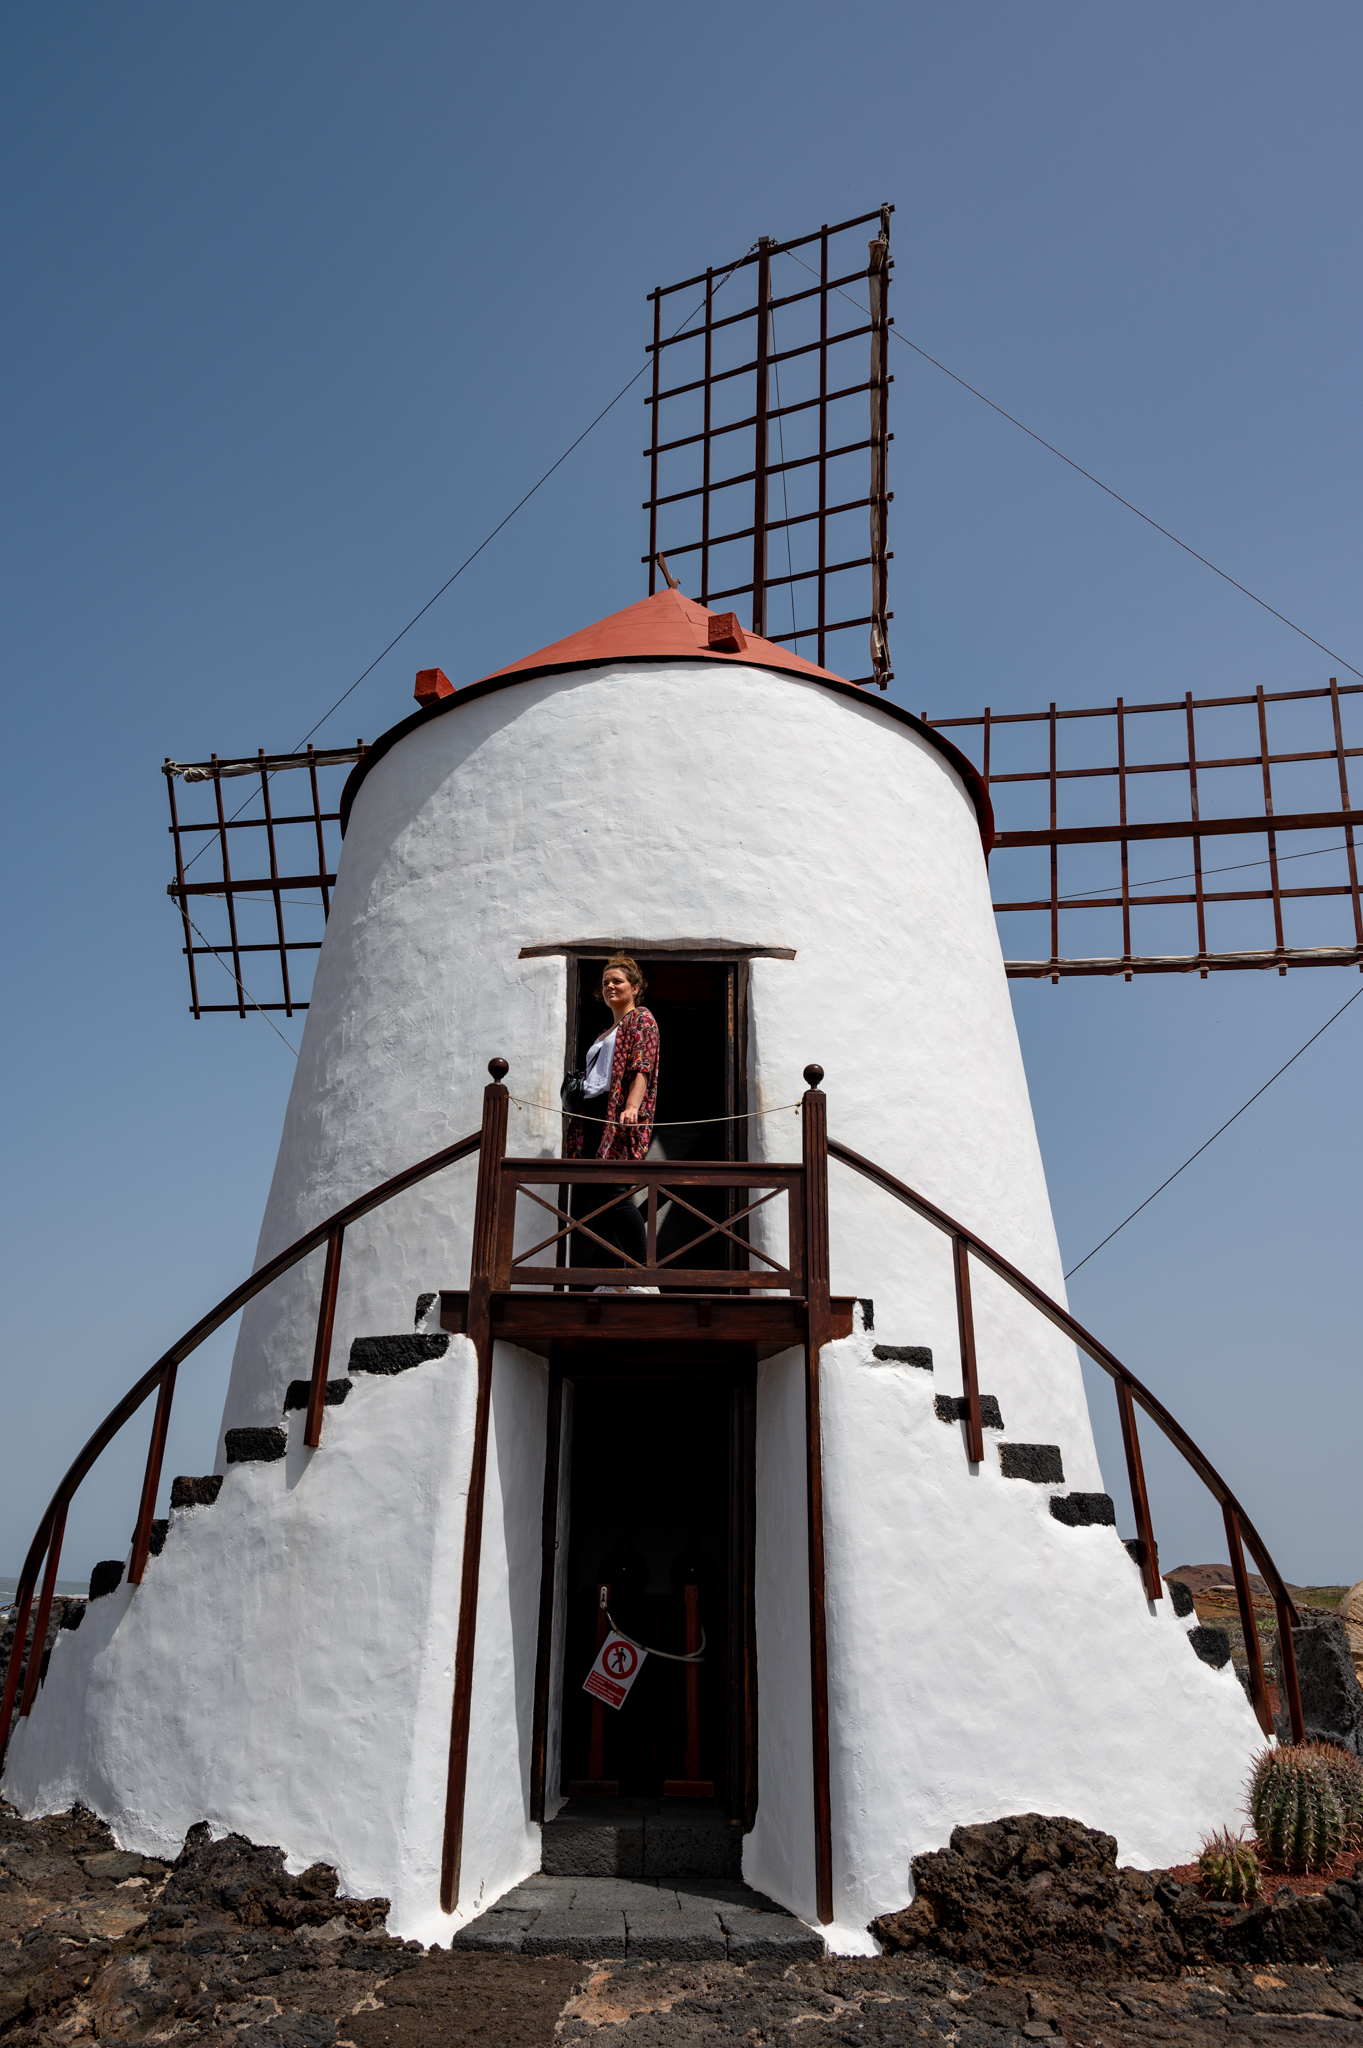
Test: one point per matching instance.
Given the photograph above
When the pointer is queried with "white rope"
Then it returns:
(672, 1656)
(677, 1124)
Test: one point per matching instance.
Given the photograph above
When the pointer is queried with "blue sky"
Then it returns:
(300, 300)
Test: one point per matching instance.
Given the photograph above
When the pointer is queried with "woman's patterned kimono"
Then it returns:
(636, 1052)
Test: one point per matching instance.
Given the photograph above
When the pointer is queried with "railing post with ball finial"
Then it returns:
(491, 1152)
(814, 1135)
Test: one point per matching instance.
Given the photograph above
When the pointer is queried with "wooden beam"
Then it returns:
(538, 1322)
(814, 1124)
(491, 1151)
(539, 1732)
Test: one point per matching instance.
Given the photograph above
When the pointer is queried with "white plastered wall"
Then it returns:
(770, 812)
(778, 1855)
(984, 1658)
(286, 1668)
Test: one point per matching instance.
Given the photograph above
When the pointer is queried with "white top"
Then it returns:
(599, 1061)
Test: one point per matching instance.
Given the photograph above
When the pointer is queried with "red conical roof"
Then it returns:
(664, 626)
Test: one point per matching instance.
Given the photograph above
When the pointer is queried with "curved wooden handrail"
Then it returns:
(1236, 1518)
(164, 1370)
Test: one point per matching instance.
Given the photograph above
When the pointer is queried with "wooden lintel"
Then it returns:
(537, 1321)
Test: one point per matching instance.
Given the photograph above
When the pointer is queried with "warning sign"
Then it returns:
(617, 1666)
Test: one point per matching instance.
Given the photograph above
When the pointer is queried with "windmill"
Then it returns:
(391, 1585)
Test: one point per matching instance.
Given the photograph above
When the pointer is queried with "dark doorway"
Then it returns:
(661, 1495)
(649, 1516)
(701, 1008)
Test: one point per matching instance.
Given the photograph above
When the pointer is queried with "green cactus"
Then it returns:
(1229, 1868)
(1295, 1810)
(1345, 1773)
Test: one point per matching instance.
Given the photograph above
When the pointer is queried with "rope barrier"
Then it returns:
(672, 1656)
(677, 1123)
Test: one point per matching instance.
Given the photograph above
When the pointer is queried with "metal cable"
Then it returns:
(1060, 453)
(482, 544)
(1154, 881)
(218, 953)
(1215, 1134)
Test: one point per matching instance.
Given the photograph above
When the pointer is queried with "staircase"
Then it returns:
(539, 1307)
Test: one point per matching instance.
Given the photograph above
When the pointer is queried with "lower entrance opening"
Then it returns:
(660, 1493)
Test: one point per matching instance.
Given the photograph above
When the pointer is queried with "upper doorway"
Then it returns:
(701, 1009)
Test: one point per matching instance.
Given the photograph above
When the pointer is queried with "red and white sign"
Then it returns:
(617, 1665)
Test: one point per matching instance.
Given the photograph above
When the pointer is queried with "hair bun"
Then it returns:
(631, 969)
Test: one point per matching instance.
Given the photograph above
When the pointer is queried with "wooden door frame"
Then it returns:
(735, 1012)
(740, 1373)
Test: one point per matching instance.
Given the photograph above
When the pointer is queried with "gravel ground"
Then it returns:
(223, 1947)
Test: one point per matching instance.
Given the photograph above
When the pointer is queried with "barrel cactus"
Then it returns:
(1295, 1810)
(1229, 1868)
(1345, 1773)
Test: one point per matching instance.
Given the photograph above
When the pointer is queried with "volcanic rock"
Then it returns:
(1037, 1894)
(1351, 1614)
(1331, 1697)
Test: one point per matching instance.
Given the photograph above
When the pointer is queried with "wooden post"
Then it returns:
(40, 1620)
(491, 1152)
(321, 1353)
(692, 1786)
(596, 1753)
(693, 1688)
(1140, 1504)
(594, 1785)
(151, 1478)
(814, 1134)
(553, 1451)
(1287, 1651)
(23, 1607)
(970, 1378)
(759, 467)
(1254, 1655)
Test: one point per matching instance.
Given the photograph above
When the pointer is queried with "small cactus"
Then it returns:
(1229, 1868)
(1345, 1773)
(1293, 1805)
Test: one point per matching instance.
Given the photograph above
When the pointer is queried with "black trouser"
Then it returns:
(623, 1226)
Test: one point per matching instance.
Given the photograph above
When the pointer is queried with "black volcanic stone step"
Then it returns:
(903, 1354)
(390, 1355)
(952, 1408)
(255, 1446)
(1211, 1644)
(699, 1920)
(297, 1396)
(669, 1840)
(1084, 1510)
(195, 1493)
(106, 1577)
(1038, 1462)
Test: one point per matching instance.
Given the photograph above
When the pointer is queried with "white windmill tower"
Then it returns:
(365, 1635)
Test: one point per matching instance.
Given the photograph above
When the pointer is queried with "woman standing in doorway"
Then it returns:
(621, 1091)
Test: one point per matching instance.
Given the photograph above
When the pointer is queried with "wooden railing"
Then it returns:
(496, 1268)
(661, 1183)
(1130, 1396)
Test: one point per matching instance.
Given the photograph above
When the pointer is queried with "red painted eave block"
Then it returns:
(431, 685)
(726, 635)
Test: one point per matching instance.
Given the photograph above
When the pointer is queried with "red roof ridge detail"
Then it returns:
(666, 624)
